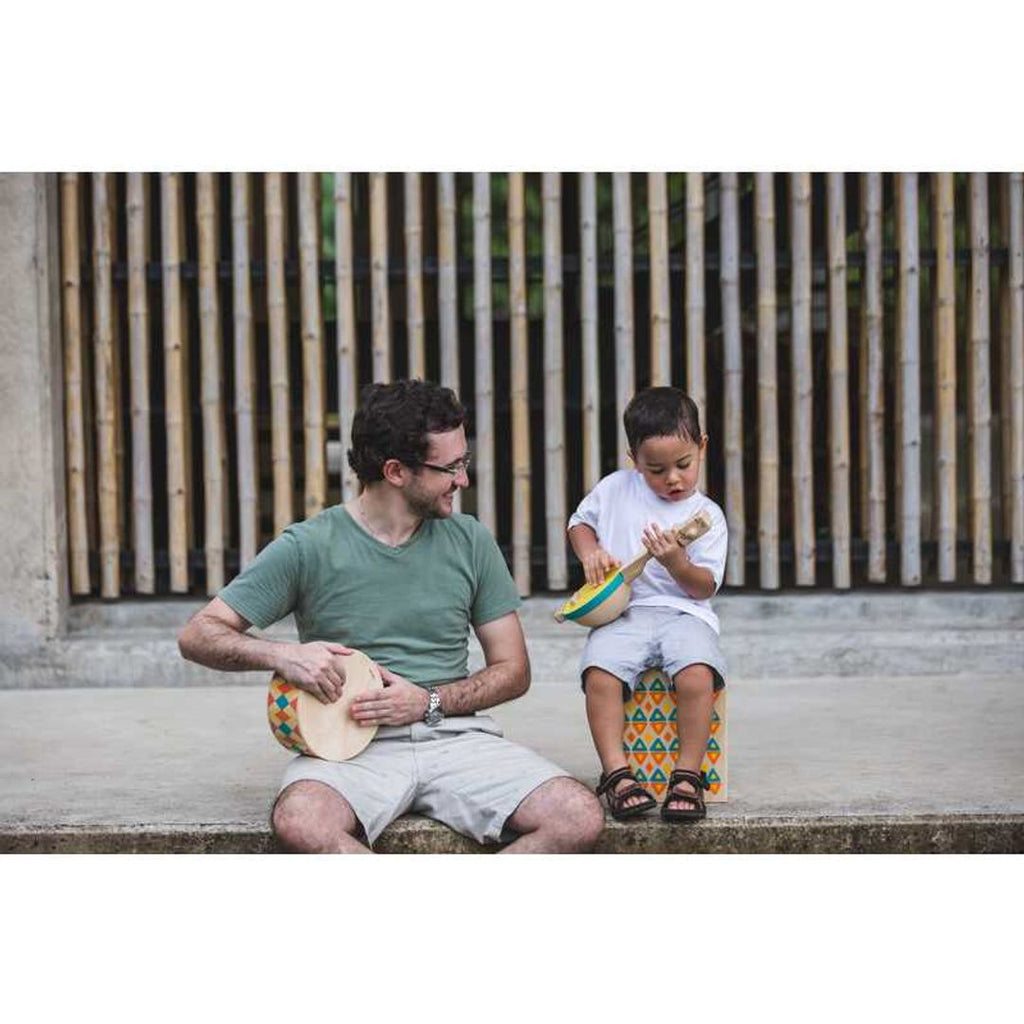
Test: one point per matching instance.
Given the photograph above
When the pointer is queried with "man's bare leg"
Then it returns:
(310, 817)
(559, 816)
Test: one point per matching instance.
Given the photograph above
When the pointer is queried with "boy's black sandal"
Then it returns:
(696, 799)
(617, 800)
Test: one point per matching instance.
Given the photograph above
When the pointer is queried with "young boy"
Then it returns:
(668, 622)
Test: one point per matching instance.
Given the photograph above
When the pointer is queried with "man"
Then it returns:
(395, 574)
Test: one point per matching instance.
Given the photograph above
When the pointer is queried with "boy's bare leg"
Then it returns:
(695, 698)
(604, 716)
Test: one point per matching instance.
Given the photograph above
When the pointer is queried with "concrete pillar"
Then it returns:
(33, 562)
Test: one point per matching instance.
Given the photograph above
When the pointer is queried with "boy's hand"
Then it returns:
(597, 564)
(664, 546)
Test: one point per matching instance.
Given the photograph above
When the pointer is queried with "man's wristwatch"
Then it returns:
(434, 714)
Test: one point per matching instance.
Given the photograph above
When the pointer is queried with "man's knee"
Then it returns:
(570, 811)
(308, 814)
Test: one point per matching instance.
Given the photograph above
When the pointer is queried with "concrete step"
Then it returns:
(413, 834)
(132, 643)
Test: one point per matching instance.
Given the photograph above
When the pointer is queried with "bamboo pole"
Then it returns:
(414, 275)
(347, 340)
(909, 383)
(625, 372)
(945, 376)
(873, 410)
(483, 334)
(979, 384)
(245, 370)
(275, 204)
(447, 282)
(313, 372)
(521, 529)
(175, 378)
(803, 386)
(588, 324)
(211, 361)
(838, 373)
(767, 385)
(447, 289)
(732, 351)
(106, 385)
(554, 384)
(138, 342)
(74, 393)
(1005, 399)
(696, 384)
(657, 206)
(380, 309)
(1015, 234)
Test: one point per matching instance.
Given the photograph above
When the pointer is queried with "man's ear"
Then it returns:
(394, 472)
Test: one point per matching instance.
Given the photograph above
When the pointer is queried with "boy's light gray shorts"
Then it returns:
(643, 638)
(462, 772)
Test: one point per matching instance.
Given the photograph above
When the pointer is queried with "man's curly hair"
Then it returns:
(393, 421)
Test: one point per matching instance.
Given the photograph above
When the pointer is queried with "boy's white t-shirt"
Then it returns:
(621, 506)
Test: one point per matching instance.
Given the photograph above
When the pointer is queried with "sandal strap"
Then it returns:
(610, 781)
(698, 780)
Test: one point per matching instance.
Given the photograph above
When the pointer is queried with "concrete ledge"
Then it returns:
(412, 834)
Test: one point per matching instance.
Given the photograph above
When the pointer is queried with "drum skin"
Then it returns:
(305, 725)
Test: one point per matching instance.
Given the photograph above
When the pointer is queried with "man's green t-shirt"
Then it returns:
(408, 608)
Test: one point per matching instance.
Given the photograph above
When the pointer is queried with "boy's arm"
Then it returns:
(597, 562)
(695, 581)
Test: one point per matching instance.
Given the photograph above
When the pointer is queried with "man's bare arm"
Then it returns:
(505, 677)
(216, 636)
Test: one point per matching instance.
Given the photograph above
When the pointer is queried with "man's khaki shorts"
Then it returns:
(462, 772)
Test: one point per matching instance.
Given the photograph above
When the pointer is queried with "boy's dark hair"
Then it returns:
(393, 420)
(661, 412)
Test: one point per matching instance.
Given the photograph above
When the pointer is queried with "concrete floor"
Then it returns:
(829, 746)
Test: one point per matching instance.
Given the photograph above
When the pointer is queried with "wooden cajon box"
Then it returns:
(651, 741)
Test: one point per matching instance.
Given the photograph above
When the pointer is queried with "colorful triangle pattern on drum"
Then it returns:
(650, 739)
(282, 714)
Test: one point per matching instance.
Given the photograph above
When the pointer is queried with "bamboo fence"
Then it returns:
(589, 331)
(484, 337)
(74, 385)
(732, 373)
(872, 383)
(414, 275)
(313, 370)
(347, 361)
(176, 376)
(657, 215)
(554, 385)
(696, 362)
(802, 381)
(215, 455)
(625, 365)
(767, 385)
(521, 473)
(838, 392)
(277, 327)
(979, 416)
(581, 337)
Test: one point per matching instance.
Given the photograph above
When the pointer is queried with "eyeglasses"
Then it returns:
(454, 469)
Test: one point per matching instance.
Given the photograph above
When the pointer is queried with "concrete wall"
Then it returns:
(33, 575)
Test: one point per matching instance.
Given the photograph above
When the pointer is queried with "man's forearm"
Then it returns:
(216, 645)
(492, 685)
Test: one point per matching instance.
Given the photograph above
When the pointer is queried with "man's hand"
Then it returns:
(399, 703)
(665, 547)
(597, 564)
(314, 667)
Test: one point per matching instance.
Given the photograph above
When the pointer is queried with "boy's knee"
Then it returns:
(602, 682)
(694, 679)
